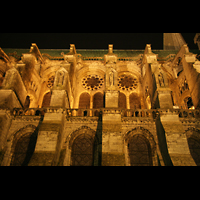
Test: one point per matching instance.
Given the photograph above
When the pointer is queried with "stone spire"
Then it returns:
(173, 41)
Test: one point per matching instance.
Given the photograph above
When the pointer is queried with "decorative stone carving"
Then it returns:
(50, 82)
(111, 78)
(92, 82)
(127, 82)
(110, 57)
(61, 78)
(161, 79)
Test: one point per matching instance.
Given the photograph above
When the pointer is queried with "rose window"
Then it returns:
(92, 82)
(50, 82)
(127, 82)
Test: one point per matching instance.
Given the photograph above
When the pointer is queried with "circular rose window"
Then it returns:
(127, 82)
(50, 82)
(92, 82)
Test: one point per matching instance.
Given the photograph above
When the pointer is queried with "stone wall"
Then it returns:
(107, 102)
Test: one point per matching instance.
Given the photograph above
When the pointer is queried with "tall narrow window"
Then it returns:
(135, 102)
(82, 151)
(139, 151)
(98, 100)
(46, 100)
(122, 100)
(84, 103)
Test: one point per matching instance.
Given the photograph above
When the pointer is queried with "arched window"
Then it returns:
(84, 100)
(122, 100)
(189, 103)
(46, 100)
(194, 146)
(82, 150)
(139, 151)
(135, 102)
(98, 100)
(23, 149)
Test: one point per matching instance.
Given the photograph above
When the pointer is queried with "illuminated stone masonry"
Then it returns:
(127, 82)
(92, 82)
(110, 107)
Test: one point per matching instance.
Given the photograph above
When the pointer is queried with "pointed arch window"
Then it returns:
(23, 149)
(122, 100)
(135, 102)
(98, 101)
(194, 146)
(82, 150)
(46, 100)
(139, 151)
(84, 103)
(84, 100)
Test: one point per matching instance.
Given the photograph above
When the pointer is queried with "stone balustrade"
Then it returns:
(183, 113)
(83, 112)
(138, 113)
(29, 112)
(189, 113)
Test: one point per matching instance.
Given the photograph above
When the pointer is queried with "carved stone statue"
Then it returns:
(161, 79)
(60, 78)
(111, 78)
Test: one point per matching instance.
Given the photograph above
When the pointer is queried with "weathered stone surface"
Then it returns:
(100, 107)
(111, 99)
(113, 159)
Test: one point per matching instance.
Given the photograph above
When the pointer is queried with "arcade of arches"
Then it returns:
(84, 149)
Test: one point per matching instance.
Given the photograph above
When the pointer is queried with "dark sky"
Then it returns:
(88, 40)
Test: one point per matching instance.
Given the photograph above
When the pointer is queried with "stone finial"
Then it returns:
(110, 48)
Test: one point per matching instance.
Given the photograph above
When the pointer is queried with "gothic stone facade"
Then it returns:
(99, 107)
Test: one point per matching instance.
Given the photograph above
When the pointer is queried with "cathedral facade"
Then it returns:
(109, 107)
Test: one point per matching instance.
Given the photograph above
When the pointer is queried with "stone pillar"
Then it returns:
(59, 98)
(111, 92)
(191, 67)
(29, 61)
(163, 90)
(13, 92)
(48, 146)
(112, 142)
(173, 141)
(111, 99)
(60, 89)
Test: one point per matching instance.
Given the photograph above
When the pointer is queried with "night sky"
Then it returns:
(88, 40)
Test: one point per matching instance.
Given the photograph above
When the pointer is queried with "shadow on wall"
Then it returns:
(163, 143)
(97, 161)
(97, 145)
(32, 143)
